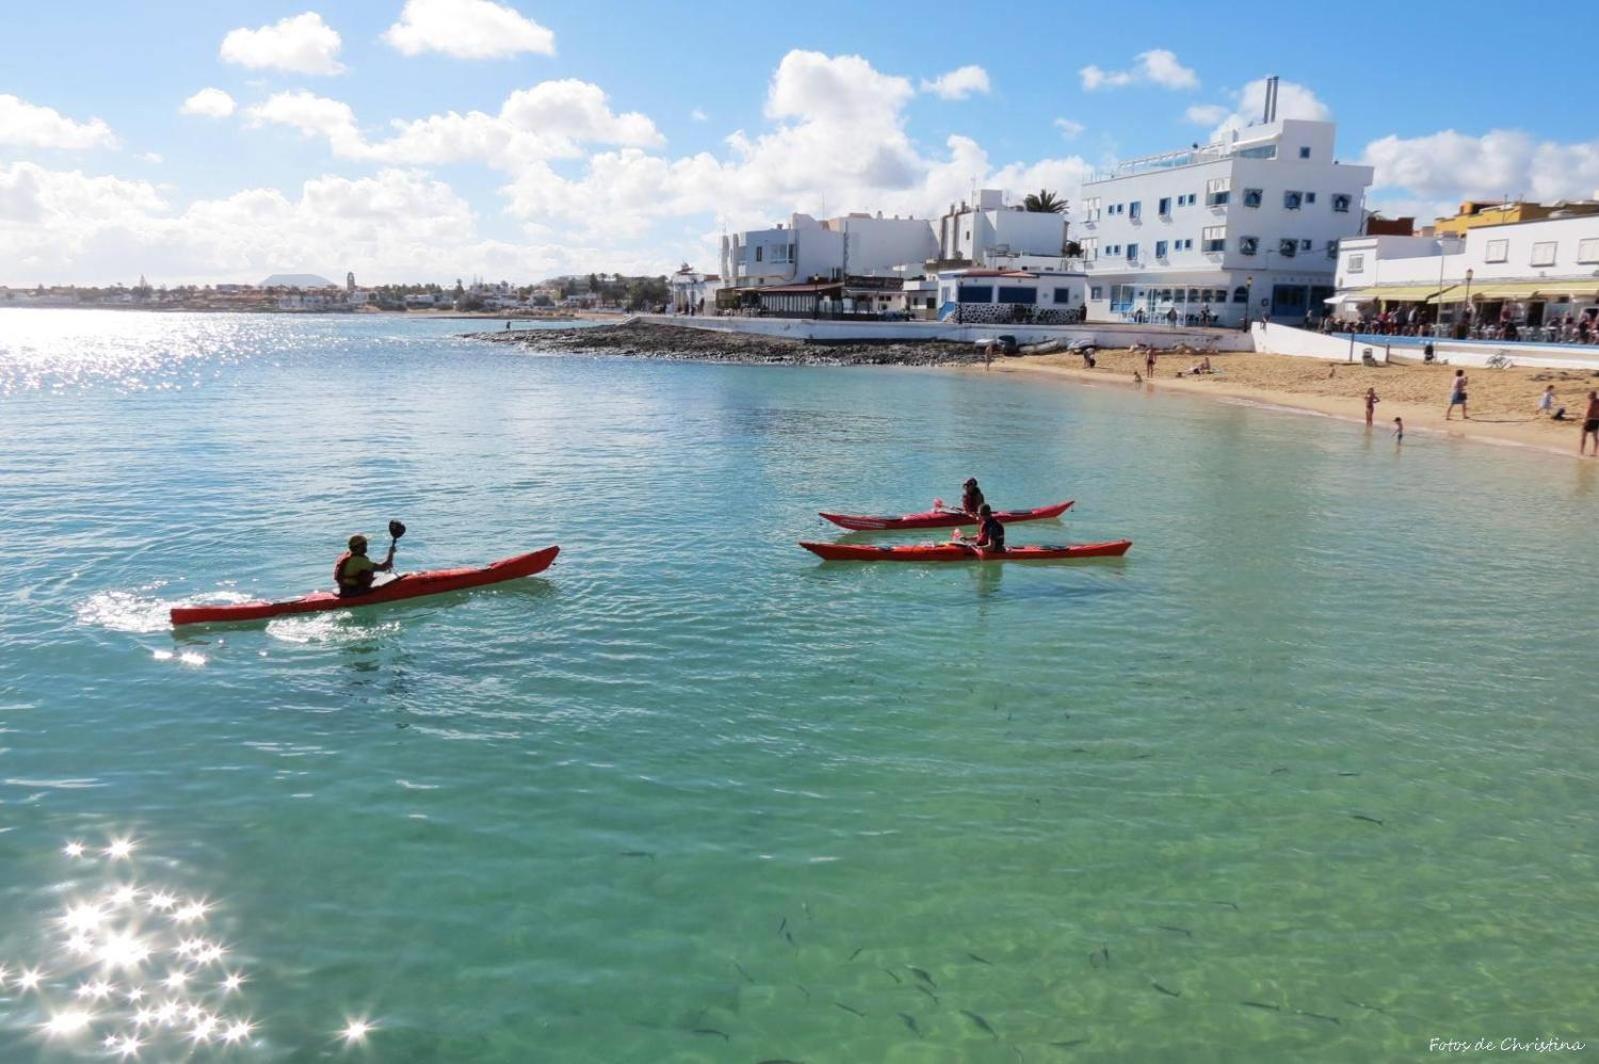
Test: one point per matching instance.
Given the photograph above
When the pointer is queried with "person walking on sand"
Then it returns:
(1457, 397)
(1590, 426)
(1546, 401)
(1399, 430)
(1371, 404)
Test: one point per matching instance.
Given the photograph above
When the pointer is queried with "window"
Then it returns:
(1165, 296)
(1332, 249)
(1090, 248)
(1096, 293)
(1304, 153)
(1287, 247)
(1588, 250)
(1248, 245)
(1135, 210)
(1306, 245)
(1217, 190)
(1543, 253)
(1292, 200)
(758, 252)
(1189, 200)
(1018, 294)
(1160, 249)
(1240, 294)
(1091, 209)
(1177, 296)
(1341, 204)
(976, 293)
(793, 253)
(1063, 295)
(1165, 207)
(1497, 251)
(1213, 238)
(1112, 250)
(1132, 252)
(1252, 197)
(1193, 295)
(1310, 197)
(1186, 245)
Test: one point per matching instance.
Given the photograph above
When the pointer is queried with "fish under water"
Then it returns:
(1168, 993)
(918, 973)
(850, 1009)
(975, 1018)
(910, 1023)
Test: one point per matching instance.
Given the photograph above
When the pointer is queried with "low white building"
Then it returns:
(805, 249)
(1534, 274)
(1247, 226)
(977, 294)
(971, 232)
(693, 292)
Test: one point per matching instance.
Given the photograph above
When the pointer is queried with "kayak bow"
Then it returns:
(406, 586)
(962, 552)
(942, 518)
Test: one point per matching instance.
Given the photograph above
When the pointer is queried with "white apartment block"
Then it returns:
(1245, 227)
(852, 245)
(988, 229)
(1532, 273)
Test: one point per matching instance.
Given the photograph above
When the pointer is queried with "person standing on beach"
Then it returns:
(1371, 404)
(1546, 401)
(1457, 396)
(1149, 364)
(1590, 426)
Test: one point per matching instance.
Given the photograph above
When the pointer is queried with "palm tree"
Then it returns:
(1044, 202)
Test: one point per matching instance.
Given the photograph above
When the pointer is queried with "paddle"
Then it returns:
(396, 530)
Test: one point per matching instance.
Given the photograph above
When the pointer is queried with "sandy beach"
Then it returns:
(1503, 403)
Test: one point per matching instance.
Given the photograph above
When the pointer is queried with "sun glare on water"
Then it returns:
(130, 970)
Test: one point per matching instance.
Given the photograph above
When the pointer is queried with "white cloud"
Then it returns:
(312, 115)
(1451, 166)
(1068, 128)
(958, 83)
(1293, 101)
(551, 120)
(209, 103)
(839, 139)
(699, 115)
(152, 157)
(300, 44)
(1206, 114)
(467, 29)
(27, 125)
(1158, 66)
(61, 226)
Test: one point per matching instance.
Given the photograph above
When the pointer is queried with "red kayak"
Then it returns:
(409, 585)
(942, 518)
(961, 552)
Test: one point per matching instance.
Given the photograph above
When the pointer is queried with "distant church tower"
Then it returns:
(349, 281)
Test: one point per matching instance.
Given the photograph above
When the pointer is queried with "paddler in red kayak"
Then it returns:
(971, 497)
(353, 572)
(990, 533)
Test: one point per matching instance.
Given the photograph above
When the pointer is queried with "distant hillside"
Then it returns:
(296, 280)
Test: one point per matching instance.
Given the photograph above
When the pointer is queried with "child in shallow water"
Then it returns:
(1399, 430)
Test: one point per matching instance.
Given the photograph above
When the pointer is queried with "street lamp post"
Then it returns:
(1249, 299)
(1469, 315)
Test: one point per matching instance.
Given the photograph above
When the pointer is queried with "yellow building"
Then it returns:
(1474, 213)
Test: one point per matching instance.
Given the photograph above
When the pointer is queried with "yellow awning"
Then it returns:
(1529, 289)
(1397, 293)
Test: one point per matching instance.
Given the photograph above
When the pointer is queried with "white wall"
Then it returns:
(1396, 260)
(877, 245)
(1282, 340)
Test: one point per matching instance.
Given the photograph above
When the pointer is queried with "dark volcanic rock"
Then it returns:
(650, 340)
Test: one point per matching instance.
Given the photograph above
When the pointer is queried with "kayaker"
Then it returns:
(353, 572)
(971, 497)
(990, 533)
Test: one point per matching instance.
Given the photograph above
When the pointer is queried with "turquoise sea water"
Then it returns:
(693, 796)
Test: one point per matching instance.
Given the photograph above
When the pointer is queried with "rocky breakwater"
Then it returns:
(649, 340)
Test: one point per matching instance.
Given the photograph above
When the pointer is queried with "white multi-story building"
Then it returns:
(693, 292)
(1531, 273)
(853, 245)
(1244, 227)
(975, 232)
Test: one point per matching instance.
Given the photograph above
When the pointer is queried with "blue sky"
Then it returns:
(833, 103)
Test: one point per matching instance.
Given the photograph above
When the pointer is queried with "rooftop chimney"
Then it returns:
(1271, 99)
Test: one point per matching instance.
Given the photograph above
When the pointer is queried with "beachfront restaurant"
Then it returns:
(984, 295)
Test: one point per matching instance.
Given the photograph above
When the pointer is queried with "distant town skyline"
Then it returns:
(425, 140)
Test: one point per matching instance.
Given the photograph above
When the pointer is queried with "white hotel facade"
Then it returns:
(1245, 227)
